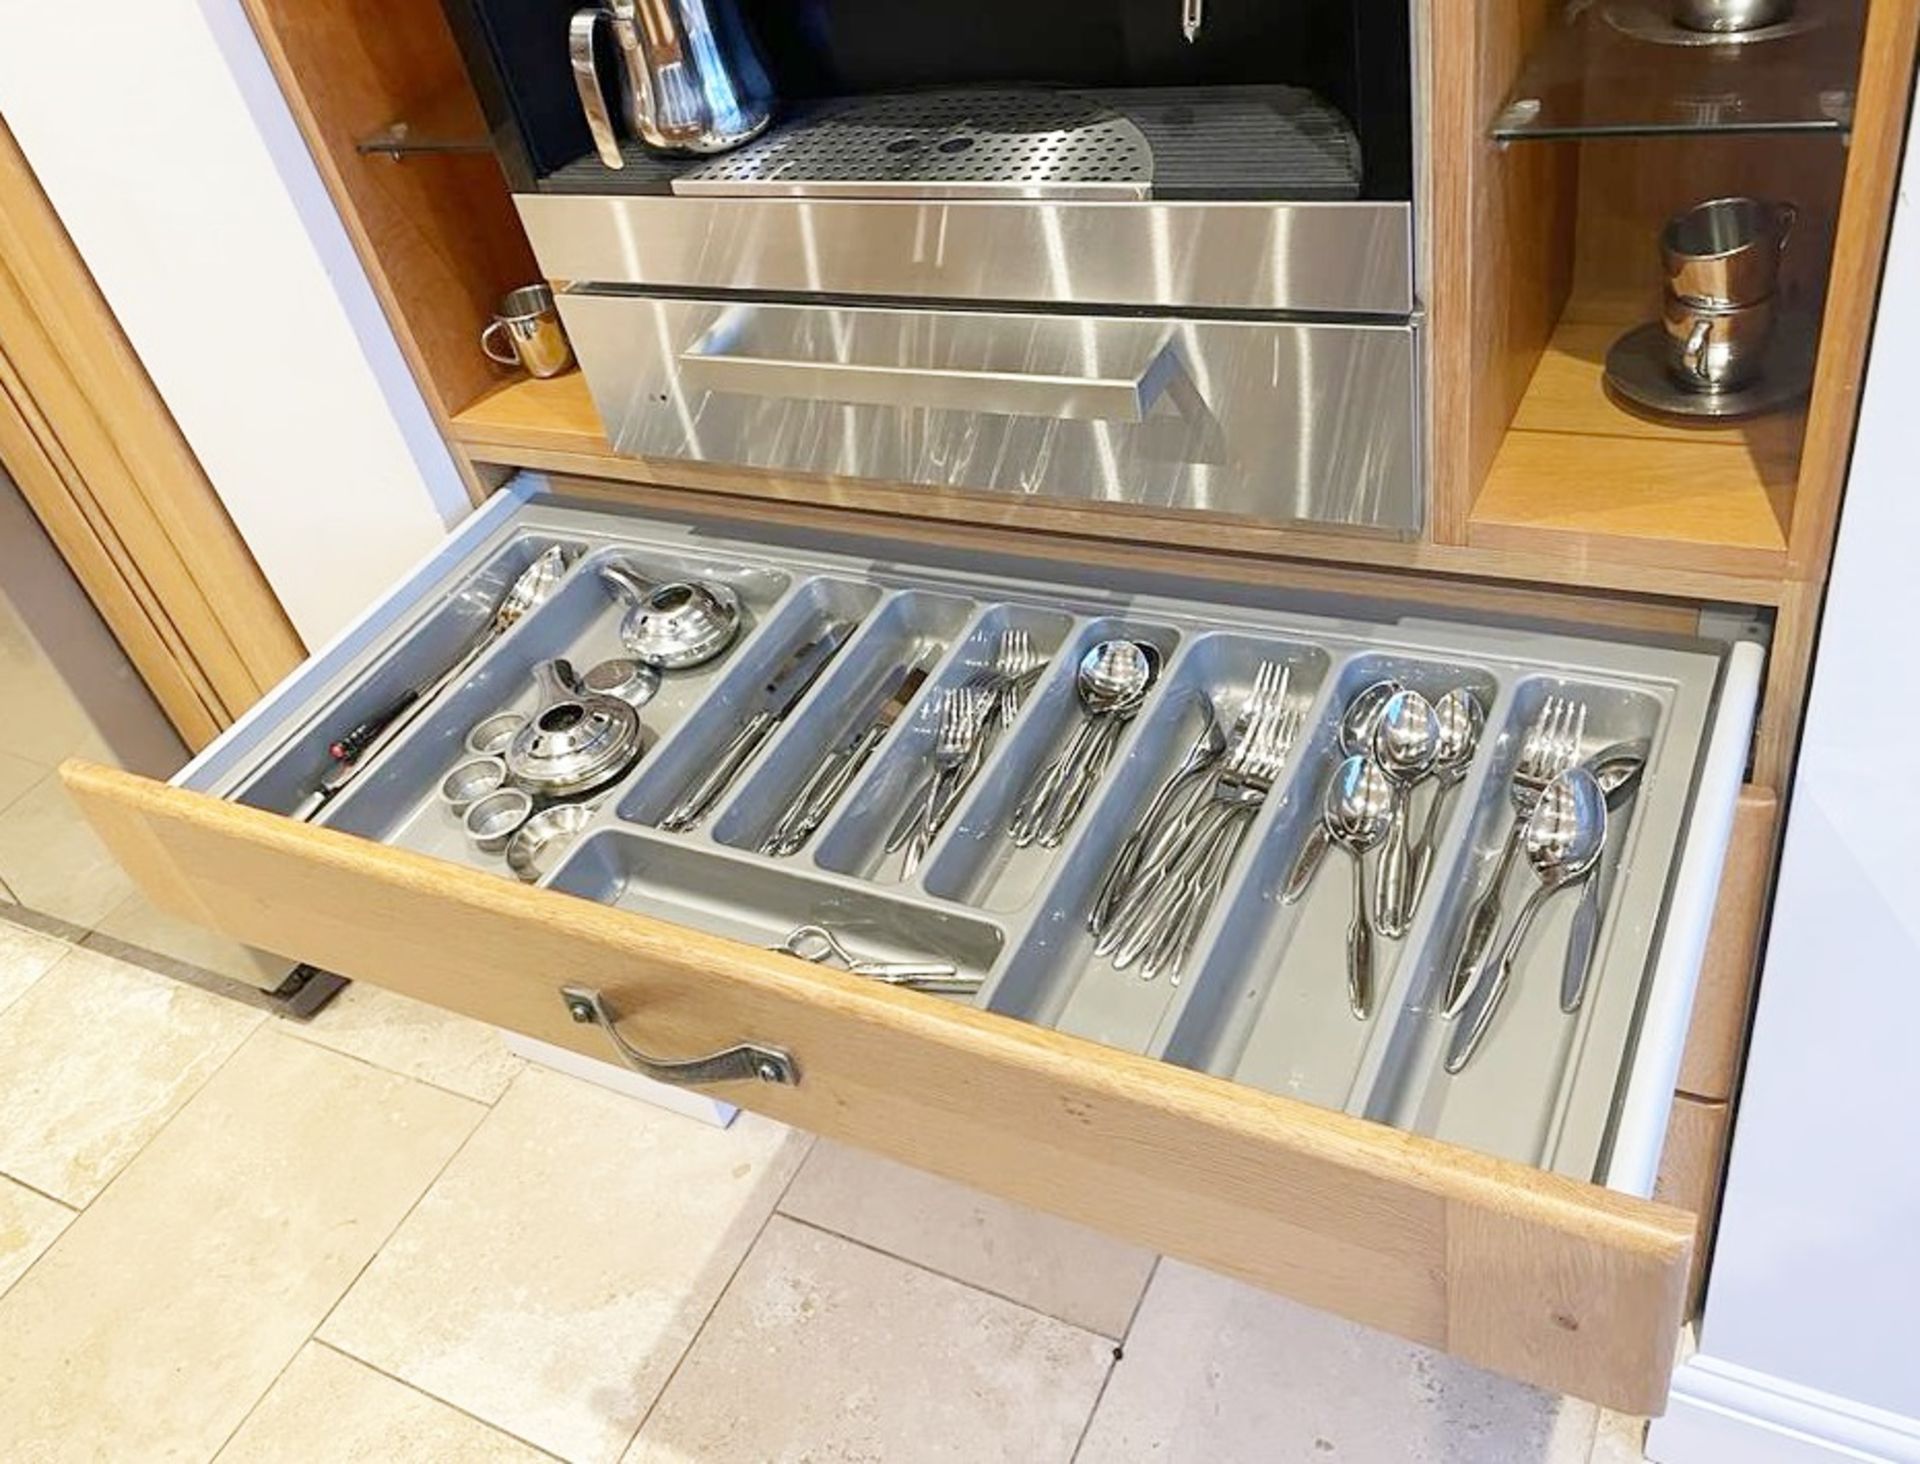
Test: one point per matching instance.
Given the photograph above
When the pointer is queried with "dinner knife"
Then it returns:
(841, 766)
(776, 697)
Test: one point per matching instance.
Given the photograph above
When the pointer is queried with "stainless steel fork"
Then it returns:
(1550, 747)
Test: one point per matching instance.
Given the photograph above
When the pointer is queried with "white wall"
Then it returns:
(1809, 1333)
(160, 136)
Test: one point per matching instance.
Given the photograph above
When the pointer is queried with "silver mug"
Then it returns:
(1726, 251)
(1713, 348)
(534, 337)
(1729, 17)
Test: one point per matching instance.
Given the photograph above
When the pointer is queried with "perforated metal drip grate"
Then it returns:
(944, 142)
(1033, 142)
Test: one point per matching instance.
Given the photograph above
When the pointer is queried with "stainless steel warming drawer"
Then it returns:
(1243, 1118)
(1344, 258)
(1268, 420)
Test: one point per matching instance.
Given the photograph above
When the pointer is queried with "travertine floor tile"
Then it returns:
(25, 956)
(554, 1275)
(415, 1040)
(138, 923)
(51, 860)
(17, 775)
(94, 1057)
(329, 1409)
(1053, 1266)
(1215, 1371)
(163, 1314)
(823, 1350)
(29, 1223)
(1620, 1439)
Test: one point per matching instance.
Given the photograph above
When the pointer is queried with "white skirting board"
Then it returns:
(621, 1080)
(1720, 1413)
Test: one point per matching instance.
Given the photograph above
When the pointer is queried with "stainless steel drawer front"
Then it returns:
(1276, 421)
(1346, 258)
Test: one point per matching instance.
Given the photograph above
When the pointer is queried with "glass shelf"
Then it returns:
(1621, 68)
(447, 124)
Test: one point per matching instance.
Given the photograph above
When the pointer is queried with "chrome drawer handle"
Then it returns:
(734, 1065)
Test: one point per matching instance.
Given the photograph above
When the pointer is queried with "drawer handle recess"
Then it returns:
(748, 1061)
(716, 363)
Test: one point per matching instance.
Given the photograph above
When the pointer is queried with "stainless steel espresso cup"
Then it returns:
(534, 337)
(1724, 17)
(1726, 251)
(1716, 349)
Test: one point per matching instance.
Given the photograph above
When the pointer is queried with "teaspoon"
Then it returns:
(1617, 770)
(1356, 736)
(1111, 681)
(1359, 807)
(1562, 839)
(1462, 719)
(1406, 740)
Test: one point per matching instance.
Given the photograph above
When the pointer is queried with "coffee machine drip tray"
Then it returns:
(1241, 142)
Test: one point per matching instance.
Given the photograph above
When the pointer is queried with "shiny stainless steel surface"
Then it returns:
(576, 741)
(534, 338)
(582, 51)
(1358, 814)
(1093, 368)
(1713, 350)
(1405, 745)
(676, 625)
(1274, 421)
(1726, 251)
(1563, 837)
(1730, 15)
(1552, 745)
(1304, 256)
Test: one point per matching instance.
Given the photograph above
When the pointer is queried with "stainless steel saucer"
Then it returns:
(1637, 369)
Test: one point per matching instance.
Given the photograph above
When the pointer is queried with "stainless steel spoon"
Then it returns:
(1111, 682)
(1462, 720)
(1406, 741)
(1359, 808)
(1563, 838)
(1617, 770)
(1356, 736)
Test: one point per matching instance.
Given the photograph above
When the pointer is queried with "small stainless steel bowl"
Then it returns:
(492, 820)
(538, 844)
(491, 735)
(634, 682)
(471, 781)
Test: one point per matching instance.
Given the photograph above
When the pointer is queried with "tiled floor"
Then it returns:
(380, 1237)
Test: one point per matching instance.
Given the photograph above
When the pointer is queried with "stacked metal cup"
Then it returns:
(1722, 263)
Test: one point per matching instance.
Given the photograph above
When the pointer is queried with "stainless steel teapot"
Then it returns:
(691, 80)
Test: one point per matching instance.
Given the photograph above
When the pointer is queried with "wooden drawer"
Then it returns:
(1575, 1286)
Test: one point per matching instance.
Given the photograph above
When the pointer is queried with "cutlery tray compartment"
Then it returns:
(973, 861)
(855, 839)
(1532, 1046)
(437, 638)
(911, 627)
(762, 903)
(1055, 977)
(1262, 999)
(1269, 1005)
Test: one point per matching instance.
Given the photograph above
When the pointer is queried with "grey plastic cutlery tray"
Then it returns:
(1262, 1000)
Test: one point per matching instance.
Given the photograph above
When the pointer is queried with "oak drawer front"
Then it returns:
(1569, 1286)
(1128, 1105)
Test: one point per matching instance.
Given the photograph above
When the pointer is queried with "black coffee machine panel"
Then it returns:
(1305, 99)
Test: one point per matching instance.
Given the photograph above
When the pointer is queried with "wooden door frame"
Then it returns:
(97, 455)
